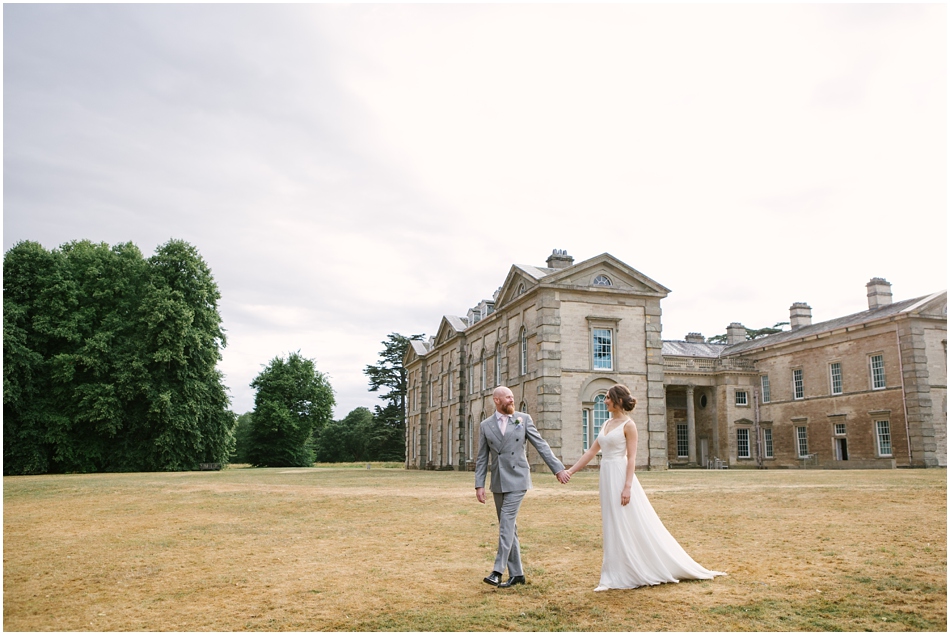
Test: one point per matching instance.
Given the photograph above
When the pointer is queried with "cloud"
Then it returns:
(354, 170)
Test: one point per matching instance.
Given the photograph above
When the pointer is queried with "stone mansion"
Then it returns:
(867, 390)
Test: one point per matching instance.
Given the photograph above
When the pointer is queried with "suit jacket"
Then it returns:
(508, 462)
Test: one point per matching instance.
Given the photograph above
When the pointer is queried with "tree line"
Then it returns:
(291, 425)
(110, 364)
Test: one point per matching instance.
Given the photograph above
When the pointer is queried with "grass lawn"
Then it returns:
(346, 548)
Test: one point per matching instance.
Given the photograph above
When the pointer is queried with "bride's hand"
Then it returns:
(625, 496)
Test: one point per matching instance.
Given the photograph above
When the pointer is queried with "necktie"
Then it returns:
(503, 424)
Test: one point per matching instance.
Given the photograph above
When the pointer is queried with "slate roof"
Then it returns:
(830, 325)
(457, 323)
(680, 348)
(536, 272)
(419, 347)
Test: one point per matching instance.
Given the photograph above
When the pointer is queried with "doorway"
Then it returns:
(841, 449)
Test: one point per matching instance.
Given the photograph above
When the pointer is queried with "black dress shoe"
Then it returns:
(513, 580)
(493, 579)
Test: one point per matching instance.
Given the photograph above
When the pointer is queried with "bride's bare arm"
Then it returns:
(585, 459)
(630, 434)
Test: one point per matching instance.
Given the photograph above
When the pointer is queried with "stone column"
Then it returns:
(691, 423)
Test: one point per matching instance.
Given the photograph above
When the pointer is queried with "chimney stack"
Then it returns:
(879, 293)
(695, 338)
(799, 315)
(735, 333)
(559, 259)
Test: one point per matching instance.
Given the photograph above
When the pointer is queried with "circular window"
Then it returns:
(702, 400)
(602, 281)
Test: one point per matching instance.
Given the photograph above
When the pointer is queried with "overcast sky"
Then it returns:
(349, 171)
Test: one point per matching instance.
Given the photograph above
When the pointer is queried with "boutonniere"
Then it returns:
(517, 421)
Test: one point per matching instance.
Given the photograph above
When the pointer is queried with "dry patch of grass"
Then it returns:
(345, 548)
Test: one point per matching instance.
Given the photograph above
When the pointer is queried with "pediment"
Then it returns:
(414, 352)
(519, 281)
(933, 305)
(449, 329)
(605, 268)
(744, 422)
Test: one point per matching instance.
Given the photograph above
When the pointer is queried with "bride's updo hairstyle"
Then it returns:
(621, 396)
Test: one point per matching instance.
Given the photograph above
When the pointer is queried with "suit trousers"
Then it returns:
(507, 505)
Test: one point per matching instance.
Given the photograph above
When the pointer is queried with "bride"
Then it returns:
(638, 550)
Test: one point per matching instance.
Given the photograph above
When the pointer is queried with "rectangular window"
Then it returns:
(840, 429)
(836, 378)
(798, 384)
(801, 434)
(742, 398)
(682, 441)
(743, 439)
(603, 349)
(767, 433)
(766, 389)
(883, 438)
(471, 379)
(585, 427)
(484, 379)
(877, 372)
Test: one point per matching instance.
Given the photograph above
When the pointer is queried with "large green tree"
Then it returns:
(110, 360)
(357, 437)
(389, 376)
(293, 399)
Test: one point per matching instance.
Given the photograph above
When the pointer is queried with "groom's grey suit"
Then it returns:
(510, 478)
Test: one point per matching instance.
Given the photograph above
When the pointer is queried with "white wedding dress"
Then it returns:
(638, 550)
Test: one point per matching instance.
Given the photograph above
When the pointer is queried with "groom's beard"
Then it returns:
(508, 409)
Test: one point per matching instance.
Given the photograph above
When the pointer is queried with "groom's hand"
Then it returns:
(563, 476)
(480, 494)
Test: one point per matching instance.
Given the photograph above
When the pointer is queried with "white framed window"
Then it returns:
(682, 441)
(841, 429)
(602, 281)
(602, 342)
(600, 414)
(766, 389)
(742, 398)
(524, 351)
(484, 377)
(520, 289)
(798, 384)
(450, 446)
(883, 430)
(801, 436)
(471, 437)
(585, 428)
(742, 439)
(877, 372)
(769, 452)
(834, 370)
(497, 364)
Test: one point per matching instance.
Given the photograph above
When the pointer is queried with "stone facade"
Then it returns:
(867, 390)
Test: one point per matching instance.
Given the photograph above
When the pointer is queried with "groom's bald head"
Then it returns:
(504, 400)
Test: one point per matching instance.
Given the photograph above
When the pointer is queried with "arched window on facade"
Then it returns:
(524, 351)
(601, 414)
(451, 379)
(497, 380)
(523, 407)
(602, 281)
(449, 444)
(483, 380)
(471, 436)
(471, 374)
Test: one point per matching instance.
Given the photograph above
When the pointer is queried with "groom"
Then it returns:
(503, 437)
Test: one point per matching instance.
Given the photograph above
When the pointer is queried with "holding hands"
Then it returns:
(563, 476)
